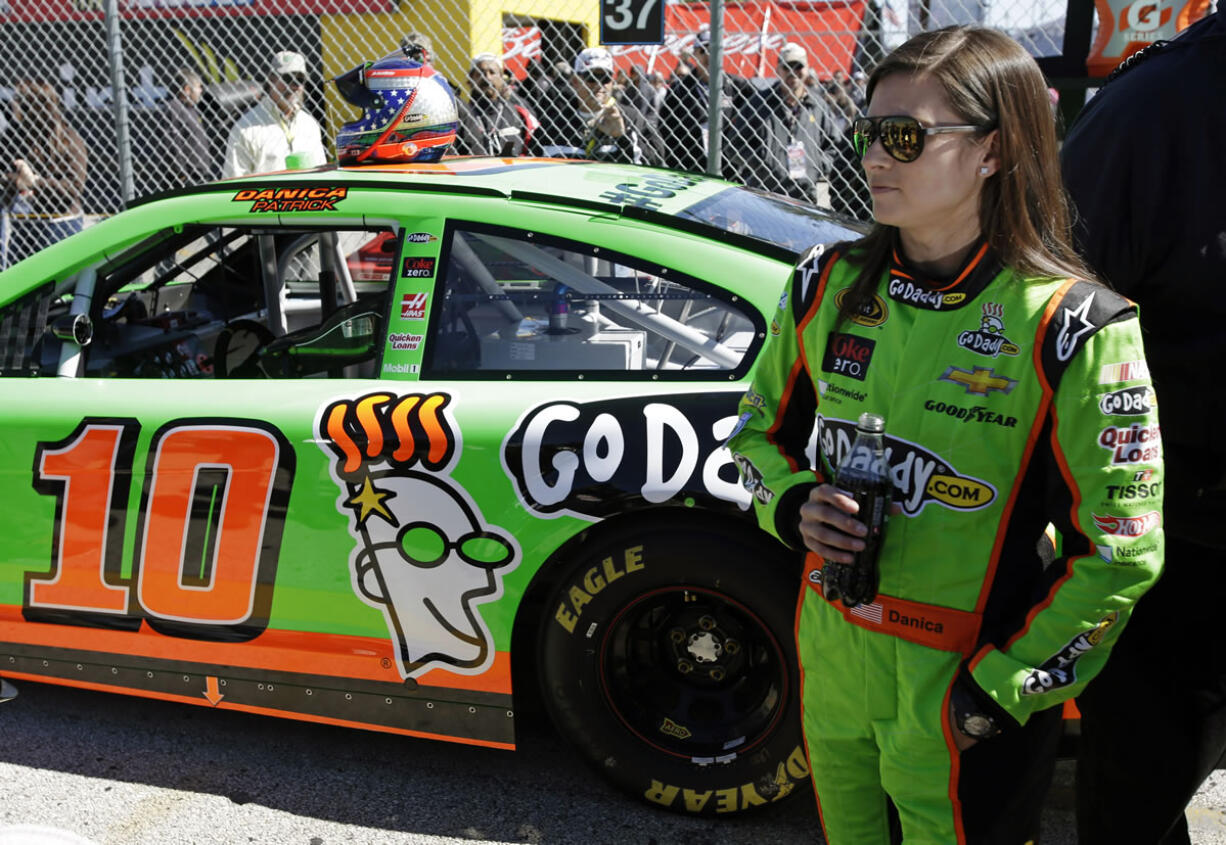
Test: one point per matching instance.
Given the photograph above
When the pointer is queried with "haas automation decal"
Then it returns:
(423, 554)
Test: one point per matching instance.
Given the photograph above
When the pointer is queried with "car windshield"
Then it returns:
(769, 218)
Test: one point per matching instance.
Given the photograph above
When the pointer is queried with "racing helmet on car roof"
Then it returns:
(408, 113)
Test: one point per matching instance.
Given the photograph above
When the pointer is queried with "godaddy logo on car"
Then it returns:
(919, 476)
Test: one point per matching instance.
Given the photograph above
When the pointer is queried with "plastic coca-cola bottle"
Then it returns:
(865, 476)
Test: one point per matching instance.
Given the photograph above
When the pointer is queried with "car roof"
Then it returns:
(565, 181)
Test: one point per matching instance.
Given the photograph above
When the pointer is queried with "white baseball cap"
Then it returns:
(482, 58)
(287, 61)
(593, 58)
(794, 54)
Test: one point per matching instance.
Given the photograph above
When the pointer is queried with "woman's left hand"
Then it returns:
(961, 740)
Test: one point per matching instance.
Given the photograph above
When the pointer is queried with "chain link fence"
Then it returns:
(95, 94)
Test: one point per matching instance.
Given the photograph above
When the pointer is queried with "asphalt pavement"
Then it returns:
(122, 771)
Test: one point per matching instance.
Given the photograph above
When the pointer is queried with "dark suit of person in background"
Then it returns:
(1144, 166)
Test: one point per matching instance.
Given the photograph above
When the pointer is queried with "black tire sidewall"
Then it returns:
(742, 570)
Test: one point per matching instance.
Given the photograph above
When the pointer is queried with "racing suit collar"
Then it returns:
(911, 286)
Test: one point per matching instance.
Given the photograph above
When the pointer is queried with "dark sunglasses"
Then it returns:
(600, 77)
(901, 136)
(794, 67)
(293, 80)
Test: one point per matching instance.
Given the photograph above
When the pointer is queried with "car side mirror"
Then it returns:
(78, 328)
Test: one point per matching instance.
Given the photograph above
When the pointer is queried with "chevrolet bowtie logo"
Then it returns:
(981, 381)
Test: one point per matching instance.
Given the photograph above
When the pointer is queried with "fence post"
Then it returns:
(119, 99)
(715, 90)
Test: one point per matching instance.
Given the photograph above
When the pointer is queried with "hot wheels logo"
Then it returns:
(919, 476)
(1128, 526)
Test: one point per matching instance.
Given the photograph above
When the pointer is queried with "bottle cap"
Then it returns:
(872, 423)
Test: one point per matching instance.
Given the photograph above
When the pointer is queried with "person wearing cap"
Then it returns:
(785, 131)
(276, 133)
(685, 112)
(494, 121)
(590, 122)
(186, 154)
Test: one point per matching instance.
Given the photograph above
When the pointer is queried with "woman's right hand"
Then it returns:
(827, 525)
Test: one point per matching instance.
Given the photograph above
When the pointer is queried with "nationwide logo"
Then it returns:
(417, 267)
(1128, 402)
(413, 306)
(989, 339)
(1128, 526)
(980, 381)
(870, 314)
(1123, 371)
(848, 355)
(919, 476)
(1060, 669)
(834, 393)
(317, 198)
(909, 292)
(1133, 444)
(1125, 555)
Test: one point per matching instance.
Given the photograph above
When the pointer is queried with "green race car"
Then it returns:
(387, 446)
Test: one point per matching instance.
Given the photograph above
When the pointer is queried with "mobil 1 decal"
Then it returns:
(919, 475)
(422, 554)
(595, 459)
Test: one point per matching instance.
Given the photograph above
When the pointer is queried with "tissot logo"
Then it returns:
(848, 355)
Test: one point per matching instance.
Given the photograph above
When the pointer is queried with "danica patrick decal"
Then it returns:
(304, 198)
(591, 459)
(423, 554)
(919, 476)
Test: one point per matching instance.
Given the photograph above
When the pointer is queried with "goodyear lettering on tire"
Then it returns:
(580, 593)
(765, 790)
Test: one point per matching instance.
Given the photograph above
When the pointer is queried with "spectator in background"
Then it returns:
(641, 94)
(842, 106)
(494, 121)
(276, 133)
(184, 145)
(46, 163)
(783, 132)
(591, 123)
(685, 126)
(1144, 168)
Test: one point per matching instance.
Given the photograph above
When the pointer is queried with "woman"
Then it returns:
(47, 172)
(1015, 394)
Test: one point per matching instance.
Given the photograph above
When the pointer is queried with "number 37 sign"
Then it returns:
(631, 21)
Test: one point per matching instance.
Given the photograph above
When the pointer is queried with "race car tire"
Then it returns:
(667, 659)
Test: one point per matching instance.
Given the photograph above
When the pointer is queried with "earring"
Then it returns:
(983, 171)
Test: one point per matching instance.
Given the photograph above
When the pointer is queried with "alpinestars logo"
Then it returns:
(1060, 669)
(918, 475)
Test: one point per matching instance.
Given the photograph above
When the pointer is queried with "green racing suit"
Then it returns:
(1010, 404)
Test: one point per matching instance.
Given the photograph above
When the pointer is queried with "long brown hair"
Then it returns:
(989, 80)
